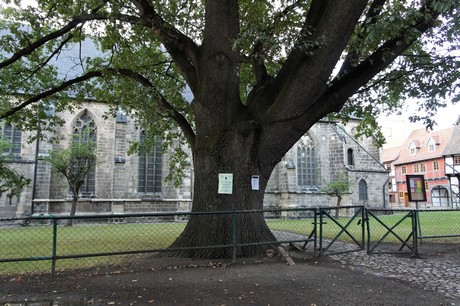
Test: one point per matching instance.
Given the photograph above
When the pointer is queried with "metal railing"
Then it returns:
(47, 240)
(44, 243)
(407, 229)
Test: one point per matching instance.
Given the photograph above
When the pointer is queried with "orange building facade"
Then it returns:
(422, 154)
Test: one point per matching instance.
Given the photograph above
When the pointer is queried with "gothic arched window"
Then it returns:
(362, 190)
(306, 166)
(13, 136)
(150, 166)
(85, 130)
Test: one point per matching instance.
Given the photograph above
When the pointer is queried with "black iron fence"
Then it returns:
(47, 243)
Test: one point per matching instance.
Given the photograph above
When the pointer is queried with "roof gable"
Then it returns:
(424, 145)
(453, 146)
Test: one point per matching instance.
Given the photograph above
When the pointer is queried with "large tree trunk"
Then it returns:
(232, 154)
(250, 138)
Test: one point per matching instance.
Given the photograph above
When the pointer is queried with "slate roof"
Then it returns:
(70, 62)
(421, 138)
(453, 147)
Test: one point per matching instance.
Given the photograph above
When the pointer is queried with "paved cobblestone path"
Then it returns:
(425, 273)
(438, 267)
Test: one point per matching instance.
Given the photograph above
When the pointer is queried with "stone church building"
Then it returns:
(123, 183)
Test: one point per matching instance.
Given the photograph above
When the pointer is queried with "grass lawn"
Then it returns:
(36, 242)
(435, 223)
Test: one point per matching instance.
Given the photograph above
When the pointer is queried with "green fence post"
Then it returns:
(320, 232)
(415, 230)
(363, 221)
(419, 226)
(53, 257)
(368, 227)
(315, 234)
(234, 235)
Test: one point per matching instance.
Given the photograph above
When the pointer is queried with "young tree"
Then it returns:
(337, 188)
(74, 164)
(260, 74)
(10, 180)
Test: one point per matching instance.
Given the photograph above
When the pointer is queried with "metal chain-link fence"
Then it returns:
(48, 243)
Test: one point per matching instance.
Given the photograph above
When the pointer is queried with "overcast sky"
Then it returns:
(444, 118)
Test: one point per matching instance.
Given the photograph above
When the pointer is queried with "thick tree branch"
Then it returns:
(260, 71)
(343, 87)
(256, 58)
(261, 100)
(303, 79)
(298, 120)
(163, 103)
(43, 40)
(50, 92)
(181, 47)
(56, 51)
(374, 11)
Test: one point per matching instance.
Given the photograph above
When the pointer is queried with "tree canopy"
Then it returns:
(74, 164)
(384, 53)
(11, 181)
(259, 74)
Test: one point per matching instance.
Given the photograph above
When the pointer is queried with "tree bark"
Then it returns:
(232, 153)
(339, 200)
(251, 138)
(73, 208)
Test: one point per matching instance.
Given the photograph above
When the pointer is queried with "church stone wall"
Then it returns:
(332, 143)
(116, 190)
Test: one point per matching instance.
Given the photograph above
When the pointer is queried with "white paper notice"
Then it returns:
(225, 183)
(255, 182)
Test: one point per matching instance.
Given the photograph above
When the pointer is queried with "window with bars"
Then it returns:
(13, 136)
(362, 190)
(150, 166)
(85, 130)
(306, 168)
(436, 165)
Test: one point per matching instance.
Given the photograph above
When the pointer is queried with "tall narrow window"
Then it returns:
(13, 136)
(121, 116)
(85, 130)
(350, 159)
(362, 190)
(306, 167)
(150, 166)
